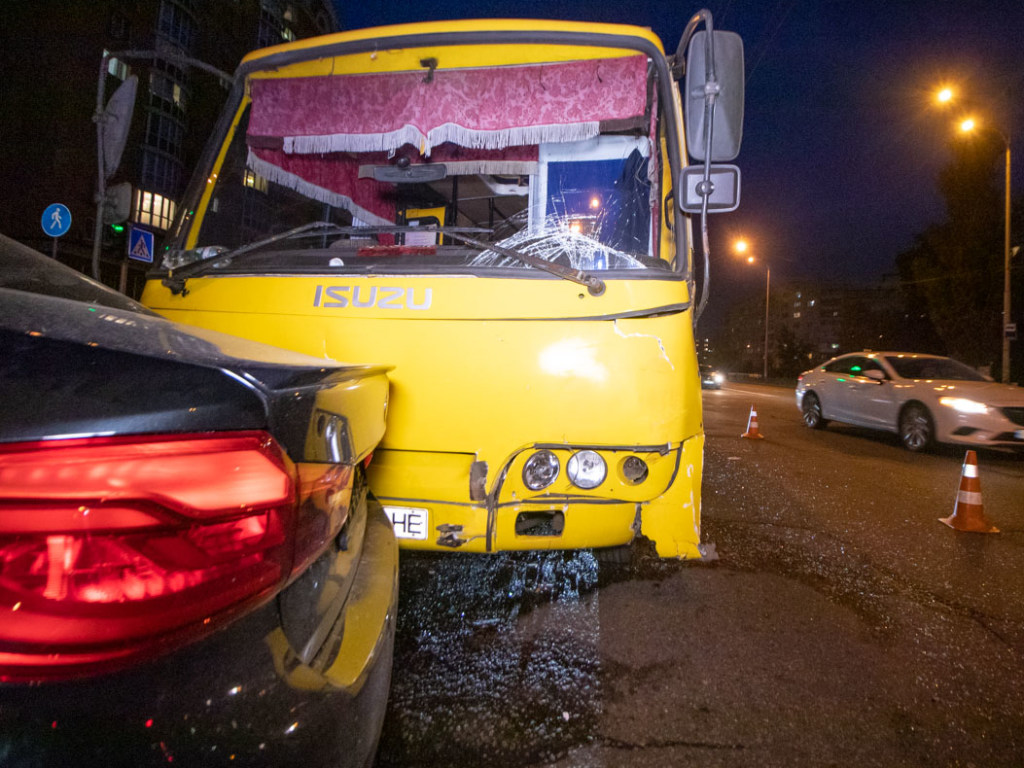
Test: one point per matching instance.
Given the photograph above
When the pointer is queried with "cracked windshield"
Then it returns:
(401, 185)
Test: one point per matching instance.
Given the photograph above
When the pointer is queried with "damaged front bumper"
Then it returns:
(446, 501)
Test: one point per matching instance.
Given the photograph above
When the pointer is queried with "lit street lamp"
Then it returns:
(944, 96)
(967, 126)
(741, 247)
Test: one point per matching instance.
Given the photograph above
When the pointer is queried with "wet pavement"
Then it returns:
(828, 632)
(496, 661)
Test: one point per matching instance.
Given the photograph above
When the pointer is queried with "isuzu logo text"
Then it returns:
(365, 296)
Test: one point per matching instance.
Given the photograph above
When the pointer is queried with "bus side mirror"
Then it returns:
(724, 192)
(729, 78)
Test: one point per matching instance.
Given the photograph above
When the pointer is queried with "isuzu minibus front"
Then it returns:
(498, 210)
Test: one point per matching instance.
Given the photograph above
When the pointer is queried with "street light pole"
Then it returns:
(945, 96)
(767, 294)
(1006, 270)
(741, 246)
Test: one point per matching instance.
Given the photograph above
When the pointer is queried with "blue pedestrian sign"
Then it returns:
(56, 220)
(140, 245)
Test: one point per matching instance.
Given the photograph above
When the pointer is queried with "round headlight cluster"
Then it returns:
(540, 470)
(634, 469)
(586, 469)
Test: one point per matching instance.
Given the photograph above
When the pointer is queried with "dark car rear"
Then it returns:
(191, 569)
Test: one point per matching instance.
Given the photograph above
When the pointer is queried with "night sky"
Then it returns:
(842, 144)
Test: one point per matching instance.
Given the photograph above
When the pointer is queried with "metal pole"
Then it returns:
(1006, 271)
(101, 176)
(767, 287)
(100, 115)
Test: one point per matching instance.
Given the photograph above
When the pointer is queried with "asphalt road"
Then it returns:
(841, 625)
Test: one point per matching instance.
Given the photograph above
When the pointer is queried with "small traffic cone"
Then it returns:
(968, 512)
(752, 431)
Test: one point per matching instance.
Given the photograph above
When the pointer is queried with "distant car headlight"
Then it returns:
(586, 469)
(963, 405)
(540, 470)
(719, 378)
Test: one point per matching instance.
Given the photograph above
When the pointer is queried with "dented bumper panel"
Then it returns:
(660, 501)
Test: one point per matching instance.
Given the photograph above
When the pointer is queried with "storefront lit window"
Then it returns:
(153, 210)
(255, 181)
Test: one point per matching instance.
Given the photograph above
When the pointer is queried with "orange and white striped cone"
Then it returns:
(752, 430)
(968, 512)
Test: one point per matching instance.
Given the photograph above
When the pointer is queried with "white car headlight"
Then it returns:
(963, 405)
(586, 469)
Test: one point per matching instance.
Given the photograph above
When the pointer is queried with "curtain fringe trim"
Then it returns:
(278, 175)
(447, 133)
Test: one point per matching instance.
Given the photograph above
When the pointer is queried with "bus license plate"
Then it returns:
(409, 522)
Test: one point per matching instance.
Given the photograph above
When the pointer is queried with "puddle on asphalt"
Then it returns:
(496, 656)
(496, 659)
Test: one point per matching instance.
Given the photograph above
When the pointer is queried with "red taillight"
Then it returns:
(110, 544)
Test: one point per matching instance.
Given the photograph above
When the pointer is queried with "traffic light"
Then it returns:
(117, 205)
(115, 238)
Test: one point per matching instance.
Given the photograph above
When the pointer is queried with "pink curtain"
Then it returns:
(332, 179)
(489, 108)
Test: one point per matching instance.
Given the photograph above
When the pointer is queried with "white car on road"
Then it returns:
(922, 398)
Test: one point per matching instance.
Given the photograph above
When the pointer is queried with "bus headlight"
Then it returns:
(586, 469)
(634, 469)
(540, 470)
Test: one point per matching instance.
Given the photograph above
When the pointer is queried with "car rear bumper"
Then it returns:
(237, 697)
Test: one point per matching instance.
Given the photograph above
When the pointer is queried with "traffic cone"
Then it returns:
(968, 512)
(752, 431)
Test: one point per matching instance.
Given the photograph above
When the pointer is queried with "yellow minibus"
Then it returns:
(499, 210)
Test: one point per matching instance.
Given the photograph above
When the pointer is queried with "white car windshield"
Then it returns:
(933, 368)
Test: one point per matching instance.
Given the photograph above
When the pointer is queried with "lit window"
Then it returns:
(810, 303)
(153, 210)
(117, 68)
(255, 181)
(796, 314)
(287, 34)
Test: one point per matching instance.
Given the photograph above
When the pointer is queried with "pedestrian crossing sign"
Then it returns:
(140, 245)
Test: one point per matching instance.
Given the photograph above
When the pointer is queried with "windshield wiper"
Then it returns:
(593, 284)
(176, 278)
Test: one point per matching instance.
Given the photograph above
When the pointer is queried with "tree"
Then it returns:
(739, 342)
(955, 268)
(790, 354)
